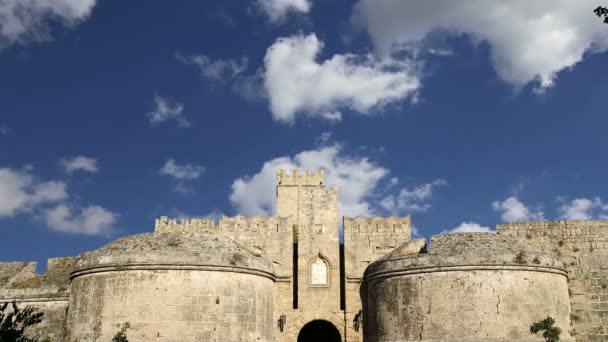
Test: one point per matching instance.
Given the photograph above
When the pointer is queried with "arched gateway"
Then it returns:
(319, 331)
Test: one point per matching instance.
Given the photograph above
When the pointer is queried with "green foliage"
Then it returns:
(550, 333)
(46, 339)
(121, 335)
(602, 11)
(575, 317)
(13, 323)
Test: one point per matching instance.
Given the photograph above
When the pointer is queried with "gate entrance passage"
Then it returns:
(319, 331)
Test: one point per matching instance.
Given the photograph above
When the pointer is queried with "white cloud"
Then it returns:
(583, 209)
(412, 200)
(296, 83)
(24, 21)
(79, 163)
(165, 110)
(5, 130)
(90, 220)
(528, 40)
(513, 210)
(181, 174)
(20, 192)
(469, 227)
(357, 179)
(219, 70)
(277, 10)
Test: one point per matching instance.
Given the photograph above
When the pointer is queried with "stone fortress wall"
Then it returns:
(583, 248)
(367, 239)
(49, 292)
(309, 276)
(469, 287)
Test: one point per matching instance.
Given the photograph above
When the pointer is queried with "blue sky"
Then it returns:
(114, 113)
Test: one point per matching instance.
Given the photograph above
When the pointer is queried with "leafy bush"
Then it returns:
(550, 333)
(13, 323)
(121, 335)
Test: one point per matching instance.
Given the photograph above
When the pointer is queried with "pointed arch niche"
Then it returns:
(319, 270)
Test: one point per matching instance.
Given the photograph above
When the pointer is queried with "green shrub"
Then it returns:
(550, 333)
(121, 335)
(13, 323)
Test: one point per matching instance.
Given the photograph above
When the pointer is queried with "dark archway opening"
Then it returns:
(319, 331)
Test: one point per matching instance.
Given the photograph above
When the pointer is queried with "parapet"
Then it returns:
(22, 275)
(378, 225)
(294, 177)
(197, 225)
(566, 228)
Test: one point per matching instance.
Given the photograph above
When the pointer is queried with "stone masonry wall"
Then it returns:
(314, 211)
(172, 305)
(367, 239)
(270, 237)
(583, 248)
(49, 292)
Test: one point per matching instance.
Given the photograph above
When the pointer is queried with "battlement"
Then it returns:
(566, 228)
(197, 225)
(294, 177)
(378, 225)
(369, 238)
(15, 275)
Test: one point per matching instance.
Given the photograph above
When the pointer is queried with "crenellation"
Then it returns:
(48, 292)
(201, 225)
(295, 178)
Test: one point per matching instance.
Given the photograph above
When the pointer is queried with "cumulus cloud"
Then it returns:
(513, 210)
(277, 10)
(79, 163)
(357, 178)
(215, 70)
(181, 173)
(583, 209)
(90, 220)
(469, 227)
(25, 21)
(414, 200)
(20, 191)
(529, 41)
(296, 83)
(167, 110)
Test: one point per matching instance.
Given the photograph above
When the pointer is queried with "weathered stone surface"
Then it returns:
(583, 248)
(49, 293)
(172, 305)
(177, 248)
(469, 287)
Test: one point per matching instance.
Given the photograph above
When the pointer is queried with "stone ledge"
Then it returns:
(169, 267)
(457, 268)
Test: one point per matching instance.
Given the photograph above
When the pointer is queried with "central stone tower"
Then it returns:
(316, 251)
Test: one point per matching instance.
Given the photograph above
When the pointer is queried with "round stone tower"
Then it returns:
(172, 287)
(469, 287)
